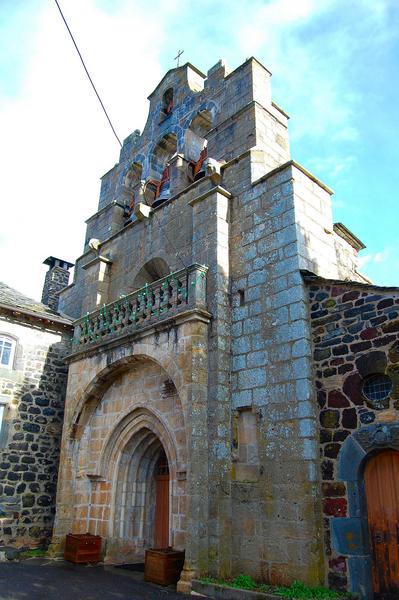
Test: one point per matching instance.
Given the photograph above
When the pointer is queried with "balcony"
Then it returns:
(155, 303)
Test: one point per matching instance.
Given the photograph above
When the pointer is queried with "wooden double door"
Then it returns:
(382, 492)
(161, 525)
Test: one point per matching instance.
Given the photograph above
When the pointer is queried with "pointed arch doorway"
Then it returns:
(142, 501)
(381, 478)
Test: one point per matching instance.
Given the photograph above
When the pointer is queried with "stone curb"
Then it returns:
(214, 590)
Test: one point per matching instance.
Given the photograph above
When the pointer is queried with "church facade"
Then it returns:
(219, 316)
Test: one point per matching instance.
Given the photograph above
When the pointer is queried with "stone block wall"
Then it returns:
(32, 393)
(272, 376)
(355, 334)
(104, 223)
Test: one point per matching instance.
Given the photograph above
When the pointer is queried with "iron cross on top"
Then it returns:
(179, 53)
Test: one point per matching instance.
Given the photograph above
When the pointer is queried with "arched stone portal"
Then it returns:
(142, 497)
(130, 430)
(124, 405)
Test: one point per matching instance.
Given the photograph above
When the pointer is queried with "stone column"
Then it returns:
(97, 283)
(211, 247)
(194, 333)
(178, 174)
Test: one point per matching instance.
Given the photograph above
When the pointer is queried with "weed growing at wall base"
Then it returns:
(296, 591)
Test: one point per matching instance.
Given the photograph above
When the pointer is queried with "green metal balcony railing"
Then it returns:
(155, 302)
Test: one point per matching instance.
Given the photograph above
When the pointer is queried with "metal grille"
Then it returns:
(377, 387)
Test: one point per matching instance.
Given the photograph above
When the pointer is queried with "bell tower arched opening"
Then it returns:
(157, 188)
(167, 103)
(196, 143)
(131, 187)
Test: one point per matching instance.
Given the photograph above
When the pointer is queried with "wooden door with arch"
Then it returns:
(382, 492)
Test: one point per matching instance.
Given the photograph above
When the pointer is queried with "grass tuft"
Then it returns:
(33, 553)
(296, 591)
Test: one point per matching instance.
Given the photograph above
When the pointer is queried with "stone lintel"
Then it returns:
(215, 190)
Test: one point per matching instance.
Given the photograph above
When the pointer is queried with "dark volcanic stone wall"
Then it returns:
(355, 335)
(34, 392)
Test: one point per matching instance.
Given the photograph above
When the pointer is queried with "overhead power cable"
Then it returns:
(87, 73)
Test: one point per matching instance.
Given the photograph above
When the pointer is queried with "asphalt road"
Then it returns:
(56, 580)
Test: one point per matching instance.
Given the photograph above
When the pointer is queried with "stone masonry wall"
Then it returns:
(33, 395)
(55, 280)
(271, 376)
(355, 333)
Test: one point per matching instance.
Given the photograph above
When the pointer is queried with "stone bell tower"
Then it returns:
(192, 345)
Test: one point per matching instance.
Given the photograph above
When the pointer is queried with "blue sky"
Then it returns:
(335, 71)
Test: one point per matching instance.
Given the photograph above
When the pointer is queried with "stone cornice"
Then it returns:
(215, 190)
(293, 163)
(104, 209)
(349, 237)
(97, 259)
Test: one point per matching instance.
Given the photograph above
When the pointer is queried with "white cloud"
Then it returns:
(312, 55)
(378, 258)
(56, 142)
(334, 166)
(55, 139)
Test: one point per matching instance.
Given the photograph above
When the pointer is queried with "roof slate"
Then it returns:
(14, 299)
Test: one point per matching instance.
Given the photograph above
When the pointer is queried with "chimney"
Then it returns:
(57, 277)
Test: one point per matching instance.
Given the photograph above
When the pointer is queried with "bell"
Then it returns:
(201, 173)
(164, 194)
(200, 166)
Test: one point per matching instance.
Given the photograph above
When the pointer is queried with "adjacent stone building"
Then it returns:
(355, 331)
(219, 318)
(33, 342)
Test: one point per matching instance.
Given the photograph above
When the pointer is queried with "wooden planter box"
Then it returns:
(163, 566)
(82, 548)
